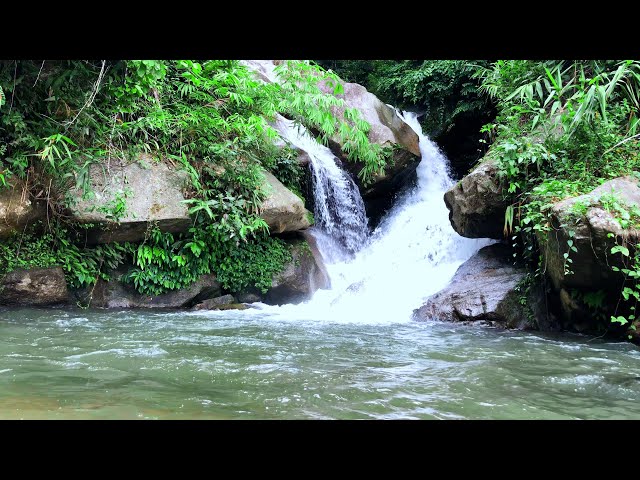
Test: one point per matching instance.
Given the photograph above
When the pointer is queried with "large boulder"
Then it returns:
(16, 209)
(476, 204)
(585, 222)
(483, 288)
(115, 294)
(35, 286)
(301, 277)
(387, 130)
(282, 209)
(128, 196)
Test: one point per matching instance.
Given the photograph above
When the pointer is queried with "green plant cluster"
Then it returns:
(164, 262)
(209, 118)
(563, 128)
(82, 266)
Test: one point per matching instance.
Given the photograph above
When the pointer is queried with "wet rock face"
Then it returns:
(282, 209)
(301, 277)
(483, 288)
(128, 196)
(476, 205)
(35, 286)
(387, 130)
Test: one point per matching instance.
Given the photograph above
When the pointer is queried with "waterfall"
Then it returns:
(340, 218)
(412, 254)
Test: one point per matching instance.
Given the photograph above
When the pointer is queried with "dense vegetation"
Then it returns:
(58, 118)
(565, 127)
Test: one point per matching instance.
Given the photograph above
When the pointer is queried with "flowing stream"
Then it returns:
(351, 352)
(134, 364)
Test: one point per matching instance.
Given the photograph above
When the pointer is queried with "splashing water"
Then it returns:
(411, 255)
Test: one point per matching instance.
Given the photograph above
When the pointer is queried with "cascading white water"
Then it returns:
(340, 218)
(412, 254)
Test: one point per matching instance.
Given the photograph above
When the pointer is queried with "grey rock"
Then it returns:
(249, 297)
(591, 264)
(483, 288)
(16, 209)
(301, 277)
(35, 286)
(215, 303)
(476, 205)
(152, 192)
(230, 306)
(282, 209)
(115, 294)
(387, 130)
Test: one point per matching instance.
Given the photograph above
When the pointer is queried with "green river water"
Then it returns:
(76, 364)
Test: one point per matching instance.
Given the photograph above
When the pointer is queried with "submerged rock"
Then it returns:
(483, 288)
(282, 209)
(215, 303)
(115, 294)
(476, 204)
(129, 196)
(16, 210)
(301, 277)
(35, 286)
(232, 306)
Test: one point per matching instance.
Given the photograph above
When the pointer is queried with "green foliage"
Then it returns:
(627, 216)
(82, 266)
(630, 294)
(286, 168)
(116, 209)
(253, 264)
(164, 262)
(563, 128)
(207, 117)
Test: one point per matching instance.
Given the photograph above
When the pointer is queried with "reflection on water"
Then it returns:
(257, 364)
